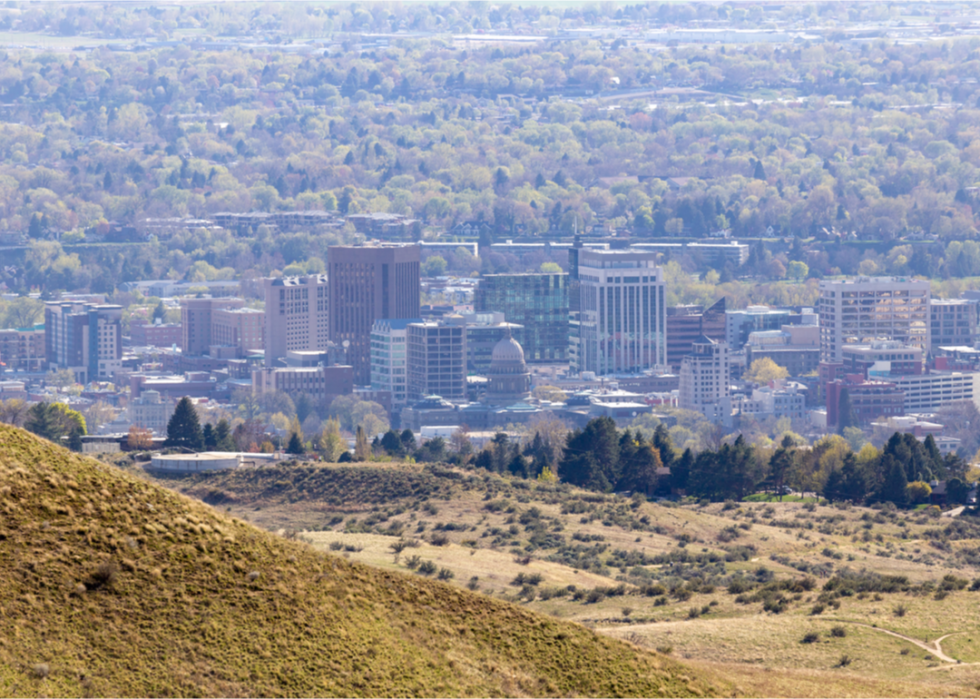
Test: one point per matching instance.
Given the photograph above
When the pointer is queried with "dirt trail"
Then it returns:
(932, 647)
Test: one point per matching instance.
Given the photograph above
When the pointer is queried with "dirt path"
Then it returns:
(932, 647)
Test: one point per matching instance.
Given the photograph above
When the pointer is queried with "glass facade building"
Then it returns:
(539, 302)
(389, 359)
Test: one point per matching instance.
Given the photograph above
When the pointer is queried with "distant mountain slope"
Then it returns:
(113, 586)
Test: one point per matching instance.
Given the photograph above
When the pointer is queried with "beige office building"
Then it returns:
(196, 316)
(705, 385)
(864, 310)
(296, 315)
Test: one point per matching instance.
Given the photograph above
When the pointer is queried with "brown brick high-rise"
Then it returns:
(369, 283)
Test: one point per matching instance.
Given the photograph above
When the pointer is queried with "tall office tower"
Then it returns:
(296, 316)
(704, 381)
(389, 359)
(83, 337)
(685, 324)
(870, 309)
(953, 322)
(622, 321)
(539, 302)
(436, 361)
(195, 322)
(369, 283)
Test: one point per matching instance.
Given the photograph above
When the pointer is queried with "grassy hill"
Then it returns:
(736, 589)
(112, 585)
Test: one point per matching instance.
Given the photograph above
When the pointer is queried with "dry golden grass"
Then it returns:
(495, 569)
(113, 586)
(762, 652)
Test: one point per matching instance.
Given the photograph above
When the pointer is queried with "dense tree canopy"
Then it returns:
(868, 138)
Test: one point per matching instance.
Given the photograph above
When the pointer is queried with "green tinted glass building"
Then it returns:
(539, 302)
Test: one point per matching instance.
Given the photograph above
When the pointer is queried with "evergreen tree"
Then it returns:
(392, 443)
(295, 445)
(738, 466)
(956, 491)
(159, 313)
(894, 489)
(855, 483)
(304, 407)
(42, 422)
(680, 470)
(833, 489)
(184, 428)
(845, 412)
(519, 466)
(934, 458)
(484, 460)
(500, 452)
(600, 441)
(954, 466)
(760, 172)
(75, 440)
(639, 474)
(781, 464)
(584, 471)
(432, 451)
(408, 440)
(704, 481)
(210, 441)
(222, 436)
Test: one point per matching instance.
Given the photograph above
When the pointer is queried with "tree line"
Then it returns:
(599, 457)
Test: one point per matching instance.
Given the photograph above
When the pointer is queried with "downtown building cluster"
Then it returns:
(602, 333)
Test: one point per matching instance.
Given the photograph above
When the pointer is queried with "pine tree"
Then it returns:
(408, 440)
(640, 473)
(223, 440)
(42, 422)
(933, 455)
(845, 412)
(391, 443)
(304, 407)
(780, 464)
(894, 489)
(833, 489)
(295, 445)
(159, 313)
(210, 442)
(184, 428)
(704, 478)
(600, 440)
(855, 484)
(75, 440)
(680, 470)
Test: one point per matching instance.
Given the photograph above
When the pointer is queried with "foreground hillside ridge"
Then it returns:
(110, 585)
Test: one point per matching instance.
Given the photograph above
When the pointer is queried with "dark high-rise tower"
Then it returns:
(369, 283)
